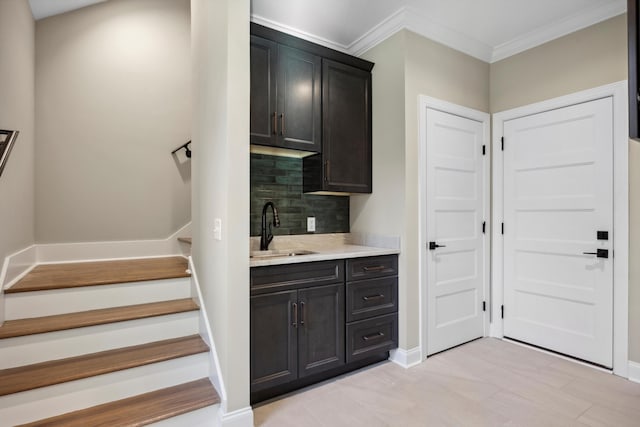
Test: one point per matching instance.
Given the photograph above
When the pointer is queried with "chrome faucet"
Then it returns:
(267, 237)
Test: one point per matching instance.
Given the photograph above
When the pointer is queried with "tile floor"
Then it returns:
(487, 382)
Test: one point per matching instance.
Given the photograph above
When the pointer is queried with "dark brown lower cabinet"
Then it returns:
(274, 341)
(295, 334)
(320, 329)
(312, 321)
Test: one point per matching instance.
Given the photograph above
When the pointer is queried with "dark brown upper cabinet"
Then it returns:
(311, 98)
(345, 162)
(285, 96)
(634, 88)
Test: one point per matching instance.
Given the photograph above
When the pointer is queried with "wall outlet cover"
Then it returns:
(311, 224)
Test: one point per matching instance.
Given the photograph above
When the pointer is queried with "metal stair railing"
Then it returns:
(7, 140)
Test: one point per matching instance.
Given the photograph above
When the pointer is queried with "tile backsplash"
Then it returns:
(279, 179)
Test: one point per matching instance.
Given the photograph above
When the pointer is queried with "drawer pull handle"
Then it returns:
(370, 269)
(373, 297)
(275, 123)
(303, 313)
(375, 336)
(295, 315)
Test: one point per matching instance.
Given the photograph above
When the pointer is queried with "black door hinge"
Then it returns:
(502, 139)
(503, 228)
(484, 150)
(502, 311)
(484, 306)
(484, 226)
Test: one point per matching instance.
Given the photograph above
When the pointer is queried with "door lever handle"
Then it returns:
(600, 253)
(434, 245)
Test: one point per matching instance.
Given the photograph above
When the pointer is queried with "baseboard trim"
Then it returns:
(406, 358)
(100, 251)
(240, 418)
(215, 372)
(634, 372)
(16, 266)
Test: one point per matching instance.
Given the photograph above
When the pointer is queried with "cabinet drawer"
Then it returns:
(369, 337)
(370, 298)
(274, 278)
(378, 266)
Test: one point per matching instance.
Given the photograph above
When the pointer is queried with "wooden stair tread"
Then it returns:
(59, 322)
(23, 378)
(139, 410)
(71, 275)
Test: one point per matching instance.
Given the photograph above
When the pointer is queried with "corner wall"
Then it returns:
(17, 68)
(113, 99)
(409, 65)
(220, 54)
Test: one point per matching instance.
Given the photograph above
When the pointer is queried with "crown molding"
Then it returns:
(417, 22)
(412, 19)
(558, 29)
(382, 31)
(299, 33)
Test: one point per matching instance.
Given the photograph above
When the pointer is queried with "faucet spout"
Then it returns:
(266, 236)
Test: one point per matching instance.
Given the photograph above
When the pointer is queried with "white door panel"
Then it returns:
(558, 186)
(455, 209)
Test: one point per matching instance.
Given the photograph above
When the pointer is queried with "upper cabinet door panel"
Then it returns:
(263, 91)
(299, 99)
(346, 127)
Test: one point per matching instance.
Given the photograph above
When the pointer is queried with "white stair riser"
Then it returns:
(37, 348)
(205, 417)
(46, 402)
(60, 301)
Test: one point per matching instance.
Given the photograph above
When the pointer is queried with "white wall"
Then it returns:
(220, 52)
(113, 99)
(17, 50)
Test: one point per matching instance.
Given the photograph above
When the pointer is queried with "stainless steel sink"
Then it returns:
(280, 253)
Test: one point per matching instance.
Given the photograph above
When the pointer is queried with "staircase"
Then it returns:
(112, 343)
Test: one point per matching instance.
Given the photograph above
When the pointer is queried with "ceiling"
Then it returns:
(44, 8)
(489, 30)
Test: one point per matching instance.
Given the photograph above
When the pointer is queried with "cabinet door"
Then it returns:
(263, 91)
(299, 99)
(346, 139)
(321, 329)
(273, 339)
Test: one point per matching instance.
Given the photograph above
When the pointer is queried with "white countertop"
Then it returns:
(323, 253)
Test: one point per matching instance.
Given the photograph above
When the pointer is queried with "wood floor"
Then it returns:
(487, 382)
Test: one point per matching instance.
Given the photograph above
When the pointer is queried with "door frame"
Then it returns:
(618, 92)
(425, 102)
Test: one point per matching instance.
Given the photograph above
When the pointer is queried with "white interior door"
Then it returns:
(558, 194)
(455, 203)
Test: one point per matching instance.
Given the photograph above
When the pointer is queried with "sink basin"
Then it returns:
(280, 253)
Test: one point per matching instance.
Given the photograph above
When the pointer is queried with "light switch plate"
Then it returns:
(311, 224)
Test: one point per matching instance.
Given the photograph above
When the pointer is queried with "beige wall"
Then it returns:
(17, 50)
(422, 67)
(112, 101)
(592, 57)
(381, 212)
(220, 37)
(585, 59)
